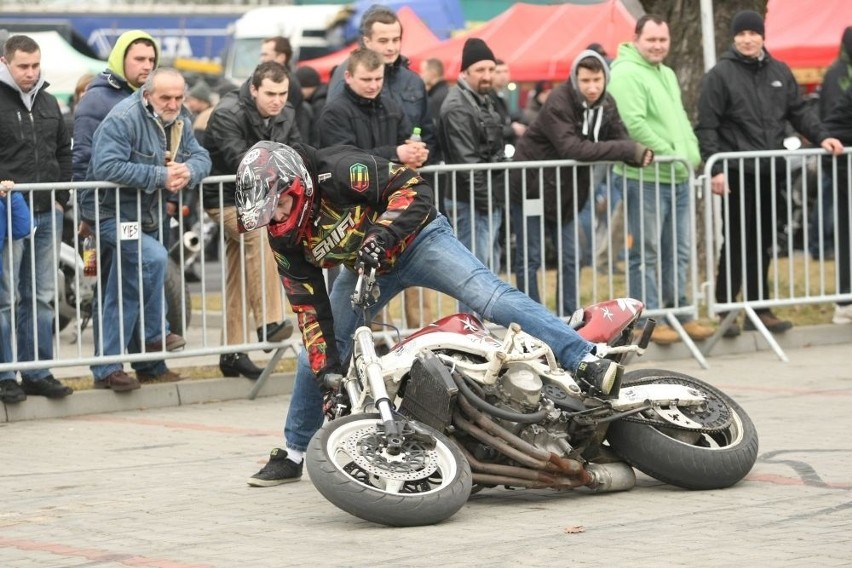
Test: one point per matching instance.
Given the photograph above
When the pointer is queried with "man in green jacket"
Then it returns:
(658, 196)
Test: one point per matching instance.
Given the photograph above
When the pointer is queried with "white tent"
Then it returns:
(62, 65)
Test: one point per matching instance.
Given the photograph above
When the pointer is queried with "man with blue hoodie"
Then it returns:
(579, 121)
(658, 199)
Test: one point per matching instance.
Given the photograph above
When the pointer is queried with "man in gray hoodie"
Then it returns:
(579, 121)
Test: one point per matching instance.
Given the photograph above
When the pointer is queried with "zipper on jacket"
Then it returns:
(35, 147)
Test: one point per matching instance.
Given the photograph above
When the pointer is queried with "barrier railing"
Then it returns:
(778, 201)
(77, 298)
(521, 248)
(572, 258)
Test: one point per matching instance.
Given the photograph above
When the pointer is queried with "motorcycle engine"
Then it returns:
(520, 387)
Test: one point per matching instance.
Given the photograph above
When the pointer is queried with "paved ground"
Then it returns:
(165, 487)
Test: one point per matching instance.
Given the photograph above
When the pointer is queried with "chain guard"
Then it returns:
(367, 449)
(714, 416)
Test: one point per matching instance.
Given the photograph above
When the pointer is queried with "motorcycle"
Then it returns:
(453, 410)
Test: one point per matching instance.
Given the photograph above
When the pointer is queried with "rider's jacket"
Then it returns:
(357, 195)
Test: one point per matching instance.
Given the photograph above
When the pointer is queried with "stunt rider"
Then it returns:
(340, 205)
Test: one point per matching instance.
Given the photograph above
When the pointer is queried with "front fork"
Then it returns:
(368, 366)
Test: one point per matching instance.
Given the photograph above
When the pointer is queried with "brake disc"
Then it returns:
(369, 451)
(712, 416)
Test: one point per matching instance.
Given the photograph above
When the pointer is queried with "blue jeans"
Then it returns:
(658, 219)
(10, 256)
(528, 235)
(39, 263)
(436, 260)
(137, 304)
(821, 220)
(478, 231)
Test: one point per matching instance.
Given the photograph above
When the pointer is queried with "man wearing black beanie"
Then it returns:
(471, 132)
(746, 100)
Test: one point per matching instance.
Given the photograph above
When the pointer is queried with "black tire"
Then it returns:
(691, 460)
(417, 501)
(177, 296)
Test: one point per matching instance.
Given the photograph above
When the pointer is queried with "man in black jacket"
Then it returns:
(367, 118)
(838, 123)
(257, 111)
(381, 31)
(471, 132)
(579, 121)
(746, 101)
(35, 147)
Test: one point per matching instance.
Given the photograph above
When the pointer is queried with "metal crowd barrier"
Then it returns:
(197, 310)
(798, 196)
(597, 238)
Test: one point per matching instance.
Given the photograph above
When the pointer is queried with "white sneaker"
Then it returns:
(842, 314)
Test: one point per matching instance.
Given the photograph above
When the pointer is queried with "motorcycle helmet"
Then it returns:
(268, 171)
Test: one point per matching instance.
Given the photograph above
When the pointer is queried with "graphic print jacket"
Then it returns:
(357, 195)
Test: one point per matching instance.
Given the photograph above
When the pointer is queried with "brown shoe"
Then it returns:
(173, 343)
(697, 331)
(773, 323)
(167, 377)
(664, 335)
(118, 381)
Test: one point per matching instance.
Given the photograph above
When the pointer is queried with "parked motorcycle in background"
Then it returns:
(453, 409)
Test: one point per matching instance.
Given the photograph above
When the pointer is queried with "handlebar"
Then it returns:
(366, 291)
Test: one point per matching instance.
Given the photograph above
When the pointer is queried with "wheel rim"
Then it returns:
(718, 440)
(716, 411)
(356, 450)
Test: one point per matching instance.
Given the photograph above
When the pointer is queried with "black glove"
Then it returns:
(329, 380)
(335, 402)
(372, 252)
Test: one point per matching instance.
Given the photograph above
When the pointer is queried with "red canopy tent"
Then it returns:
(415, 35)
(806, 35)
(540, 42)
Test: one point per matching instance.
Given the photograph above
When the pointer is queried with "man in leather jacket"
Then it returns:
(259, 110)
(471, 132)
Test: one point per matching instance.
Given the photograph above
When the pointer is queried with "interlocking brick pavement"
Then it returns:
(165, 487)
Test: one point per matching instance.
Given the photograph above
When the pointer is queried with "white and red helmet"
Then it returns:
(268, 171)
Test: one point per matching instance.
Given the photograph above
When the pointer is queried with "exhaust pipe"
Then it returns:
(191, 242)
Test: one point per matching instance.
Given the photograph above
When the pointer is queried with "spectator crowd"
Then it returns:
(140, 126)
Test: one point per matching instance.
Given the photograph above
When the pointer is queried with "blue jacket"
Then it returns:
(129, 149)
(105, 91)
(21, 219)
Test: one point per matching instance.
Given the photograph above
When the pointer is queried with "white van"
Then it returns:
(304, 26)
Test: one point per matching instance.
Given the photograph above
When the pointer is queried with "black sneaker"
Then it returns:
(48, 386)
(600, 378)
(10, 391)
(277, 470)
(275, 332)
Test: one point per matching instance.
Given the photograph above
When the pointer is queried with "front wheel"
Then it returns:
(178, 300)
(426, 483)
(718, 452)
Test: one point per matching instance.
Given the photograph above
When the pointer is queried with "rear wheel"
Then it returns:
(716, 450)
(426, 483)
(178, 300)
